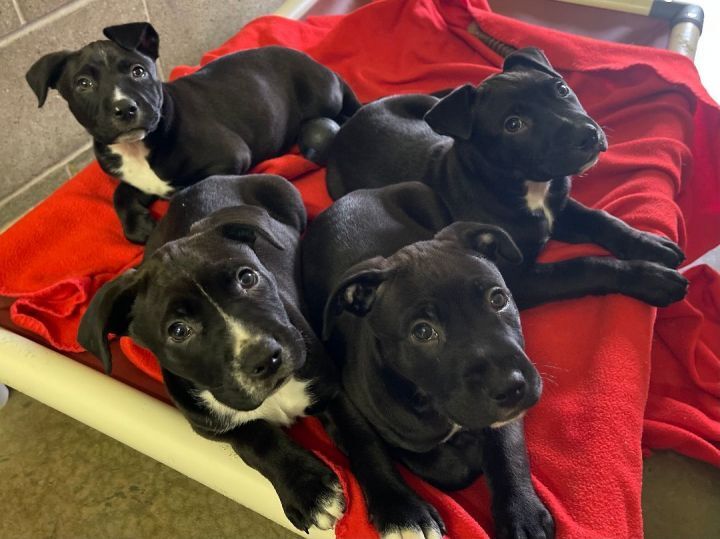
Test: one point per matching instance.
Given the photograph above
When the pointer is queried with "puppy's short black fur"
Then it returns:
(216, 299)
(159, 137)
(501, 153)
(429, 344)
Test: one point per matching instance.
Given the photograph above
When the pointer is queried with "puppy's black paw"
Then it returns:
(523, 517)
(654, 284)
(313, 497)
(653, 248)
(138, 227)
(406, 516)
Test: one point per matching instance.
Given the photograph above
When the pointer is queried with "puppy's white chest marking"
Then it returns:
(536, 199)
(135, 169)
(281, 408)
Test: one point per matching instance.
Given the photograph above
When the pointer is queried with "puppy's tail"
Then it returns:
(315, 138)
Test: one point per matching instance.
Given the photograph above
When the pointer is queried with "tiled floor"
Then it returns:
(61, 479)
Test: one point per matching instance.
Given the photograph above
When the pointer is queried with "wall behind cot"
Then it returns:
(41, 148)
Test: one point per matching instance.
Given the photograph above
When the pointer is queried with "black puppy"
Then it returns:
(429, 343)
(159, 137)
(216, 299)
(500, 153)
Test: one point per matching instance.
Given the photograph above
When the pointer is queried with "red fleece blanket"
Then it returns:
(619, 377)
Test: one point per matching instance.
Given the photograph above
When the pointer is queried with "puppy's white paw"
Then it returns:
(332, 508)
(414, 532)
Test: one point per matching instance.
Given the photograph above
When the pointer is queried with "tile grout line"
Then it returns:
(37, 179)
(19, 12)
(160, 69)
(43, 21)
(147, 11)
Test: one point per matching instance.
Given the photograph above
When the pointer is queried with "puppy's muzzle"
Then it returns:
(512, 392)
(261, 359)
(125, 111)
(590, 138)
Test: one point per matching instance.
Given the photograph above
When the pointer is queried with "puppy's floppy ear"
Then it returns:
(45, 73)
(278, 196)
(490, 241)
(356, 292)
(108, 312)
(452, 115)
(241, 223)
(529, 58)
(139, 36)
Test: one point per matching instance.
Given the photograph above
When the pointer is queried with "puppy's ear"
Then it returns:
(527, 59)
(490, 241)
(356, 292)
(452, 115)
(45, 73)
(278, 196)
(108, 312)
(139, 36)
(241, 223)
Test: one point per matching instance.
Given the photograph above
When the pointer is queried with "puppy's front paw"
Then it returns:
(313, 497)
(653, 248)
(654, 284)
(523, 517)
(137, 227)
(406, 516)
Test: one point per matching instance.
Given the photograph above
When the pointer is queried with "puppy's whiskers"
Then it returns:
(547, 378)
(551, 366)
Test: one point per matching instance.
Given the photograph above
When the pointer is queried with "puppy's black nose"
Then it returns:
(512, 392)
(588, 138)
(125, 109)
(262, 359)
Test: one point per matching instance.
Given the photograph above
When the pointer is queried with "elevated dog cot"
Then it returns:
(135, 409)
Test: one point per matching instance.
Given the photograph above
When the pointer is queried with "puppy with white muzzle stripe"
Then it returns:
(216, 299)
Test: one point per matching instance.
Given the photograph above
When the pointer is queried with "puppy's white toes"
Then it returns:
(404, 533)
(331, 510)
(432, 532)
(335, 506)
(324, 521)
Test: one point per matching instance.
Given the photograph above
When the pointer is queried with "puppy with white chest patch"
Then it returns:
(501, 153)
(216, 299)
(161, 137)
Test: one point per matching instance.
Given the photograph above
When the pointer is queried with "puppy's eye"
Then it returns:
(498, 299)
(138, 72)
(247, 278)
(513, 124)
(562, 89)
(424, 332)
(84, 83)
(179, 331)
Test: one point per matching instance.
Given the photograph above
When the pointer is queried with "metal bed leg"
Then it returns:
(687, 25)
(4, 394)
(686, 20)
